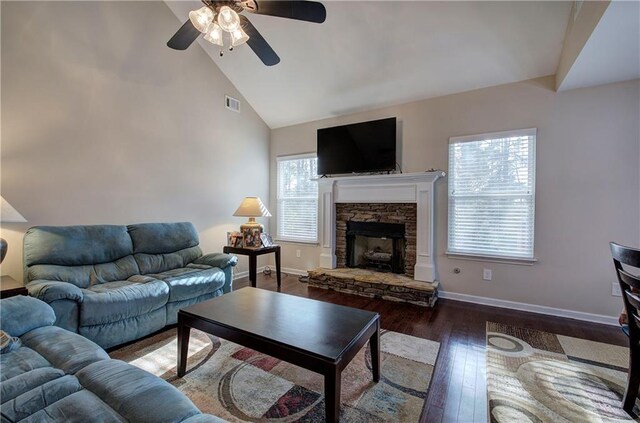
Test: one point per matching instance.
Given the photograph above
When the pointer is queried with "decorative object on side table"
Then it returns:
(266, 239)
(8, 215)
(251, 237)
(252, 207)
(234, 239)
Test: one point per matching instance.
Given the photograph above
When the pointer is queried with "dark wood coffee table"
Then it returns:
(315, 335)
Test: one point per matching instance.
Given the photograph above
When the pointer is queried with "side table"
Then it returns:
(253, 254)
(10, 287)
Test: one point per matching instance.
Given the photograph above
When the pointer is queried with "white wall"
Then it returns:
(103, 123)
(587, 185)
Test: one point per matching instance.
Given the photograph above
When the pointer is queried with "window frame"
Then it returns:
(476, 256)
(279, 237)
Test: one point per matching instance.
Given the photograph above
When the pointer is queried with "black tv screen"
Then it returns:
(360, 147)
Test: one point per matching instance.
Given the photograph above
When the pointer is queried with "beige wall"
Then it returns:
(103, 123)
(587, 185)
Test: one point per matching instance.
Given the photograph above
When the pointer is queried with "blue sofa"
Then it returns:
(114, 284)
(59, 376)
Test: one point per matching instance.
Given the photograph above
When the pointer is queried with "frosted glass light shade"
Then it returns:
(214, 35)
(252, 207)
(239, 37)
(201, 18)
(228, 19)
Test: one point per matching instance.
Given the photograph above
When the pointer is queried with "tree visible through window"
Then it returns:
(298, 198)
(492, 194)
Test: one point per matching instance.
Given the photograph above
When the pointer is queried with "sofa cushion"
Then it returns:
(65, 350)
(113, 301)
(76, 245)
(17, 385)
(162, 238)
(79, 407)
(20, 314)
(28, 403)
(157, 263)
(125, 387)
(190, 282)
(20, 361)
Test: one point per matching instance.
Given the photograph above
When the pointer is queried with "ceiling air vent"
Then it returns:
(232, 103)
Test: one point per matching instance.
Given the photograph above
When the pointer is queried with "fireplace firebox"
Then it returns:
(376, 245)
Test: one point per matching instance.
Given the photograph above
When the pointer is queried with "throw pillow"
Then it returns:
(8, 343)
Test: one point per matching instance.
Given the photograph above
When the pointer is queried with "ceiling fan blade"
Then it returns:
(185, 36)
(310, 11)
(258, 44)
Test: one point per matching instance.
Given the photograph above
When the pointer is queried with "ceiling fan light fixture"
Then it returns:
(201, 18)
(228, 19)
(214, 35)
(238, 37)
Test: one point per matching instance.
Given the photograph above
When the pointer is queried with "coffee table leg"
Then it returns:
(332, 382)
(374, 344)
(183, 346)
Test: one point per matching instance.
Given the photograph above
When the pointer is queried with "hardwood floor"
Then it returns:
(458, 386)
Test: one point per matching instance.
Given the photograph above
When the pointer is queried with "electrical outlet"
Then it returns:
(615, 289)
(298, 253)
(487, 274)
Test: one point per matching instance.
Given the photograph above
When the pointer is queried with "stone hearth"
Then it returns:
(367, 283)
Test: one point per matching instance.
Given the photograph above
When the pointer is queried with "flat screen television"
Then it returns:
(359, 147)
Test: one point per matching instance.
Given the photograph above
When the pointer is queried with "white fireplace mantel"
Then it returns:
(415, 188)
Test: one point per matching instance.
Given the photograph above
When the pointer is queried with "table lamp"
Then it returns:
(7, 215)
(252, 207)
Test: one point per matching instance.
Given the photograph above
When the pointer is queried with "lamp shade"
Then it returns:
(252, 207)
(8, 214)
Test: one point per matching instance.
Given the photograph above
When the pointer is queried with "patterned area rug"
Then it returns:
(242, 385)
(535, 376)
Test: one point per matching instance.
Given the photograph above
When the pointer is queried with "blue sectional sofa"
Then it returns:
(59, 376)
(114, 284)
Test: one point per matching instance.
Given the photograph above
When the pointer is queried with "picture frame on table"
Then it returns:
(266, 239)
(251, 238)
(235, 239)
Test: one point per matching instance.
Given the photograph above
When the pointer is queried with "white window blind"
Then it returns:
(298, 198)
(492, 194)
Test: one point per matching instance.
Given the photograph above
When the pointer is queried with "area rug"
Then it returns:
(242, 385)
(535, 376)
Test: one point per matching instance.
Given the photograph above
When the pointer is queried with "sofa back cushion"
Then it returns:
(159, 247)
(76, 245)
(85, 276)
(81, 255)
(158, 263)
(162, 238)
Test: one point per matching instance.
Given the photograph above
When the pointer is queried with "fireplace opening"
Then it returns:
(379, 246)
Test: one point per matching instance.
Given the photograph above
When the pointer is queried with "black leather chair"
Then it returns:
(630, 286)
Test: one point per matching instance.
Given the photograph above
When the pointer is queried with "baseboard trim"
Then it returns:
(533, 308)
(244, 274)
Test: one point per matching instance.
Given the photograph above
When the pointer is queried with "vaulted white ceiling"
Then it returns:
(370, 54)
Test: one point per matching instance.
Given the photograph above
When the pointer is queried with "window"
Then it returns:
(298, 198)
(492, 195)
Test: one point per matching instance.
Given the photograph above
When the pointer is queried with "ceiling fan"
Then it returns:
(217, 18)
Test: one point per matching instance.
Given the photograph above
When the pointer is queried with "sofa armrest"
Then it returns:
(21, 314)
(220, 260)
(50, 291)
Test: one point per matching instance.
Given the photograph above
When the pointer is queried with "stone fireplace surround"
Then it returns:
(404, 213)
(391, 197)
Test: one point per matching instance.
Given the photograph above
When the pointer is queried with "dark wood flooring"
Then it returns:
(458, 386)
